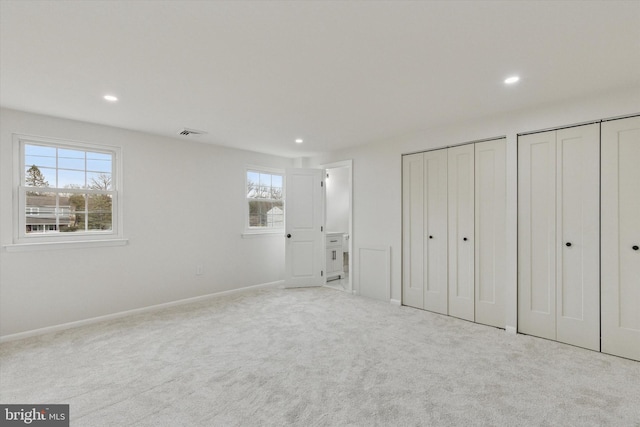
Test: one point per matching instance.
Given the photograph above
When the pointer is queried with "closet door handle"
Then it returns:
(568, 244)
(431, 237)
(288, 236)
(464, 238)
(635, 247)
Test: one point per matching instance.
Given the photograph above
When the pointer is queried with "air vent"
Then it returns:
(190, 132)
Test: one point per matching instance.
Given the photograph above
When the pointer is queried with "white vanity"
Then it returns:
(335, 257)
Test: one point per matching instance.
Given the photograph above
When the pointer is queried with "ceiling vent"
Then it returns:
(190, 132)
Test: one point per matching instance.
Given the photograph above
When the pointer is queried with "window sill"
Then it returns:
(77, 244)
(251, 234)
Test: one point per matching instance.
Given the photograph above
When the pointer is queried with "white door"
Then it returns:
(424, 228)
(578, 236)
(413, 243)
(304, 228)
(461, 231)
(558, 235)
(621, 237)
(537, 234)
(490, 229)
(435, 291)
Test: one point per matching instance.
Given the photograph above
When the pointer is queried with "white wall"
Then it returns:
(337, 218)
(183, 205)
(377, 174)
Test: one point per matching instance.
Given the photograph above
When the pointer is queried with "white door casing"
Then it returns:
(304, 228)
(620, 204)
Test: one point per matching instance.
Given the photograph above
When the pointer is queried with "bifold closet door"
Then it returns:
(558, 239)
(461, 231)
(537, 234)
(424, 187)
(578, 236)
(413, 243)
(490, 230)
(621, 237)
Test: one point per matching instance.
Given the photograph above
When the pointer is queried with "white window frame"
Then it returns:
(261, 231)
(28, 241)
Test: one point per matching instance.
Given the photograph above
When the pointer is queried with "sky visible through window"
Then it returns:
(67, 168)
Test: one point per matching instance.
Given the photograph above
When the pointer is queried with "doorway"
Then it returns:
(339, 225)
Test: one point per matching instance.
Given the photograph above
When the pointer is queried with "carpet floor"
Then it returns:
(314, 357)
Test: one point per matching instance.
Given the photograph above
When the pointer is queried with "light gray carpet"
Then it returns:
(315, 357)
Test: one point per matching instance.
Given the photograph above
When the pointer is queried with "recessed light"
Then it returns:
(511, 80)
(110, 98)
(298, 141)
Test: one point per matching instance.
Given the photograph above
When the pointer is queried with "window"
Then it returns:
(265, 200)
(67, 191)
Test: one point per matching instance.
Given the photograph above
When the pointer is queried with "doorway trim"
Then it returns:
(349, 165)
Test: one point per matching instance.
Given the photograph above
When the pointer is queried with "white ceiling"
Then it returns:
(257, 75)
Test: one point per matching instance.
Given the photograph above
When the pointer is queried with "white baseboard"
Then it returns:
(121, 314)
(395, 301)
(511, 330)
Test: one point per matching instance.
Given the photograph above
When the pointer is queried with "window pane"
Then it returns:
(39, 177)
(99, 165)
(39, 150)
(100, 212)
(40, 212)
(276, 181)
(265, 180)
(67, 163)
(99, 181)
(71, 179)
(40, 161)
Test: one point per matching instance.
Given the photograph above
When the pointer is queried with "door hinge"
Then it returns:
(321, 183)
(321, 228)
(321, 273)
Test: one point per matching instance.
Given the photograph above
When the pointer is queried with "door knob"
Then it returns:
(568, 244)
(288, 236)
(635, 247)
(431, 237)
(464, 238)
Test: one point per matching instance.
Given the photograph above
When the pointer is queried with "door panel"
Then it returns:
(490, 240)
(413, 277)
(435, 235)
(537, 234)
(578, 236)
(620, 204)
(304, 219)
(461, 231)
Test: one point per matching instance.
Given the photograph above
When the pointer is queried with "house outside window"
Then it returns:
(265, 200)
(67, 191)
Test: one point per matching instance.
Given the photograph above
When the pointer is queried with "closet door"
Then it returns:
(461, 231)
(435, 291)
(413, 230)
(537, 234)
(490, 238)
(558, 235)
(621, 237)
(578, 236)
(424, 234)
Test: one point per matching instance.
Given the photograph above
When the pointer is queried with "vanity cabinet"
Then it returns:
(334, 257)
